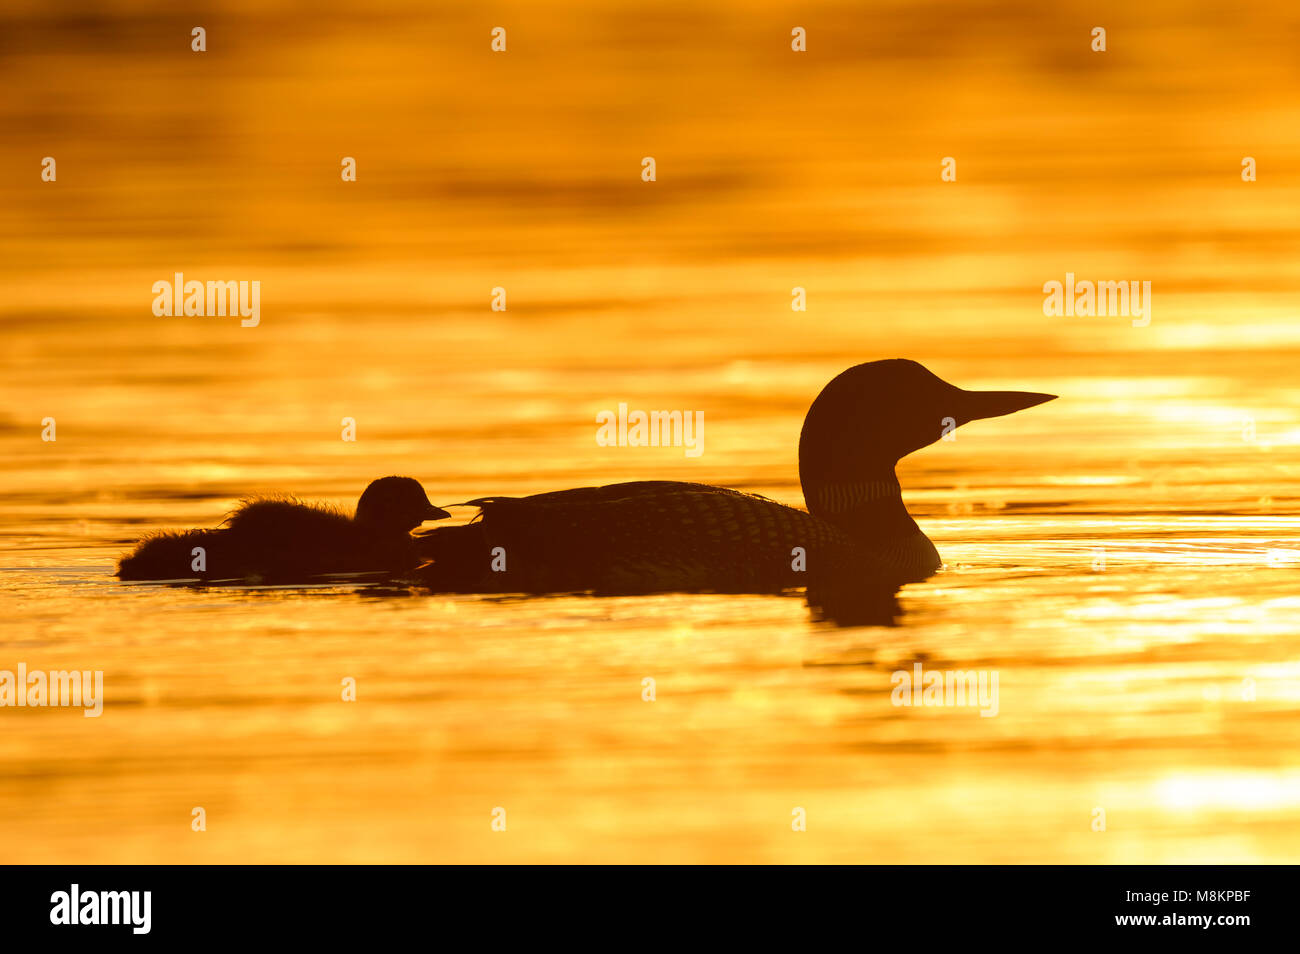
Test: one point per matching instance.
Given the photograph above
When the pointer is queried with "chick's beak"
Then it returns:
(435, 513)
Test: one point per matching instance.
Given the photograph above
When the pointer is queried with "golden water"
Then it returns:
(1162, 686)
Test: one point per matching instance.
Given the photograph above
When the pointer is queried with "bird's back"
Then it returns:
(642, 536)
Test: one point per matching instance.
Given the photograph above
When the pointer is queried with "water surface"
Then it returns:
(1124, 558)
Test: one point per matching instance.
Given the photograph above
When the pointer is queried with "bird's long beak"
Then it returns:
(435, 513)
(981, 404)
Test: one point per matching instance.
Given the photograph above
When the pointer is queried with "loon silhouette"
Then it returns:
(648, 536)
(283, 540)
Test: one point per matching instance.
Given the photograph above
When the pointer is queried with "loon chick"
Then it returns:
(285, 541)
(648, 536)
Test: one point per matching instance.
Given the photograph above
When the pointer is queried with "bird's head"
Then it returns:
(396, 504)
(874, 414)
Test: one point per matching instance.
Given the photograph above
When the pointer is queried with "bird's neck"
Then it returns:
(869, 506)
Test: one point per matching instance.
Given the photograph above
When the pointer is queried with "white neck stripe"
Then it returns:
(839, 497)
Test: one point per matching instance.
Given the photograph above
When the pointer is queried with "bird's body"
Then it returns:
(649, 536)
(285, 540)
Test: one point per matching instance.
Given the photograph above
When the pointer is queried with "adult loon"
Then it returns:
(279, 540)
(648, 536)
